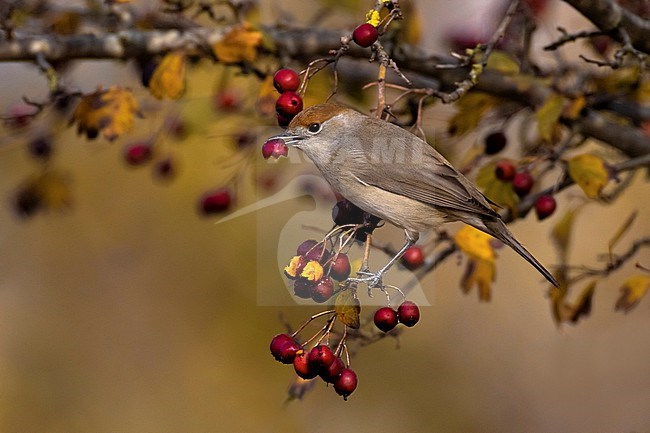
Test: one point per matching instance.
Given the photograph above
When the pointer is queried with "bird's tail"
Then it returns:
(498, 229)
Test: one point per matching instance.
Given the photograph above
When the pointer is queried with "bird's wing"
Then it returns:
(426, 176)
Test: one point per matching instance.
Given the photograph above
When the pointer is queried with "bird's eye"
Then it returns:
(314, 128)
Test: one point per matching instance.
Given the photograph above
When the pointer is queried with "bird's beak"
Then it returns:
(288, 138)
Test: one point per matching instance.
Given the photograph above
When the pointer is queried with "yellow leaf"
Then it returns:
(573, 110)
(238, 45)
(627, 224)
(355, 266)
(582, 306)
(51, 189)
(502, 62)
(475, 243)
(480, 273)
(561, 233)
(168, 80)
(557, 295)
(548, 115)
(590, 173)
(471, 109)
(632, 290)
(619, 80)
(495, 189)
(347, 309)
(65, 23)
(111, 111)
(642, 93)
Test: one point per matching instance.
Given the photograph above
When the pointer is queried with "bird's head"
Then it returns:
(320, 129)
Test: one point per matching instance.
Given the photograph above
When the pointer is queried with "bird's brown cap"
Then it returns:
(317, 114)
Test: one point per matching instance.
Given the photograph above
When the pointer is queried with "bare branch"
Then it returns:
(607, 15)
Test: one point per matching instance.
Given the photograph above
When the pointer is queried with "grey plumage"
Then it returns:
(394, 175)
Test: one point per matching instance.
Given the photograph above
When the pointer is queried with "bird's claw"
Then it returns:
(373, 280)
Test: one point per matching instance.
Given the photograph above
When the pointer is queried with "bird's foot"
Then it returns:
(371, 279)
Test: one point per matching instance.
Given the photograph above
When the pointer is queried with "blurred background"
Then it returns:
(131, 311)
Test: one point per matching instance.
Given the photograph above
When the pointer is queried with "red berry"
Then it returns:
(176, 127)
(306, 246)
(138, 153)
(413, 258)
(365, 35)
(303, 288)
(288, 104)
(284, 121)
(346, 383)
(340, 269)
(244, 139)
(323, 290)
(537, 7)
(165, 168)
(461, 39)
(303, 367)
(227, 100)
(283, 348)
(321, 357)
(216, 201)
(522, 183)
(286, 80)
(20, 116)
(274, 148)
(408, 313)
(495, 142)
(545, 206)
(41, 147)
(318, 253)
(505, 170)
(385, 319)
(27, 202)
(601, 43)
(332, 372)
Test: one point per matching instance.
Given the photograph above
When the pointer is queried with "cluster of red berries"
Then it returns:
(346, 213)
(407, 314)
(314, 270)
(522, 184)
(287, 82)
(319, 361)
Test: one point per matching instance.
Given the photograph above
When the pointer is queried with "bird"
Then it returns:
(393, 174)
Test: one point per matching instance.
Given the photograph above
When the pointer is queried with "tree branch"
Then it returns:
(307, 44)
(607, 15)
(125, 44)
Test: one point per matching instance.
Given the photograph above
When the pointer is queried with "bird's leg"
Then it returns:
(366, 254)
(375, 279)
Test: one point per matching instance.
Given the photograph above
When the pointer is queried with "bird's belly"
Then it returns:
(398, 210)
